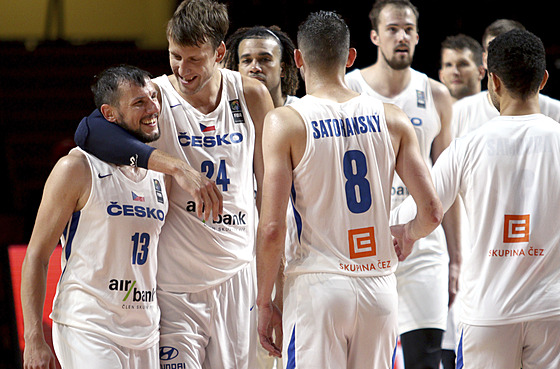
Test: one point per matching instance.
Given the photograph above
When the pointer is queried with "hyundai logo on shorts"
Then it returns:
(168, 353)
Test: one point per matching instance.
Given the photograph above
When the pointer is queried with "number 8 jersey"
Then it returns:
(341, 192)
(109, 258)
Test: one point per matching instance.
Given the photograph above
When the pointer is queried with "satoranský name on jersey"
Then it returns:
(345, 127)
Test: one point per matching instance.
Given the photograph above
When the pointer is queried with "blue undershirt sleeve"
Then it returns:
(110, 142)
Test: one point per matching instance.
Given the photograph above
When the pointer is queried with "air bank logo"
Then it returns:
(238, 219)
(131, 293)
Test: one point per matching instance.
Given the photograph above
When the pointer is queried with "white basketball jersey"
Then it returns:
(507, 172)
(417, 102)
(473, 111)
(109, 258)
(341, 190)
(197, 254)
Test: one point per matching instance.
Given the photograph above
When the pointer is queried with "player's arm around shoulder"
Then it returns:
(67, 190)
(444, 103)
(413, 171)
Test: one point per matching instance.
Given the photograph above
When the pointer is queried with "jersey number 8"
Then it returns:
(358, 191)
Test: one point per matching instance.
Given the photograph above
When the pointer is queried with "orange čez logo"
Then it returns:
(361, 242)
(516, 228)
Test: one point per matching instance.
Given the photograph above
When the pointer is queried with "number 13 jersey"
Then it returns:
(341, 191)
(109, 258)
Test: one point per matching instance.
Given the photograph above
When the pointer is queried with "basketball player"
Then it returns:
(471, 112)
(424, 289)
(335, 152)
(507, 173)
(461, 67)
(266, 54)
(212, 119)
(108, 218)
(461, 72)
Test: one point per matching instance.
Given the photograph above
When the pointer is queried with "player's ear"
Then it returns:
(298, 58)
(108, 112)
(220, 52)
(374, 37)
(545, 78)
(351, 57)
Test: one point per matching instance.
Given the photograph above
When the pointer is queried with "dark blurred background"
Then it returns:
(51, 49)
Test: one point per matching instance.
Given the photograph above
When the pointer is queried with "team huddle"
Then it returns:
(211, 219)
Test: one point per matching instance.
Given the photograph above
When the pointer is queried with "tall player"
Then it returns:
(108, 218)
(507, 173)
(335, 151)
(461, 72)
(424, 292)
(212, 119)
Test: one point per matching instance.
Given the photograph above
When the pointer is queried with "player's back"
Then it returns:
(509, 179)
(341, 189)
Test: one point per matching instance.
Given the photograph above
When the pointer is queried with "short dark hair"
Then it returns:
(499, 27)
(379, 5)
(106, 85)
(196, 22)
(460, 42)
(290, 80)
(519, 59)
(324, 39)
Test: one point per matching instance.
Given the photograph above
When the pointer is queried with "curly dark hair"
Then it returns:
(290, 81)
(519, 59)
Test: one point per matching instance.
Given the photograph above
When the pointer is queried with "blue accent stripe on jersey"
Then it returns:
(394, 354)
(71, 232)
(292, 351)
(297, 216)
(460, 353)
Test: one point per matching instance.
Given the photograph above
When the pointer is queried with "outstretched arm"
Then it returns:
(451, 223)
(413, 171)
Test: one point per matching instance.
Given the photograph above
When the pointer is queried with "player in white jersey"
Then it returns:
(335, 151)
(212, 120)
(424, 290)
(461, 72)
(472, 112)
(108, 219)
(267, 55)
(507, 173)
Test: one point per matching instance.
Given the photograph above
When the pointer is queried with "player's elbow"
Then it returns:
(435, 211)
(272, 233)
